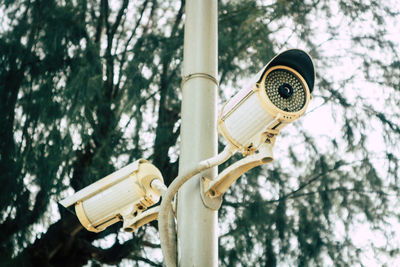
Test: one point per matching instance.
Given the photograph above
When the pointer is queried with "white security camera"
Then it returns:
(251, 120)
(278, 95)
(123, 194)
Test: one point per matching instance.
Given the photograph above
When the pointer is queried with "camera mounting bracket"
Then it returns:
(212, 190)
(132, 223)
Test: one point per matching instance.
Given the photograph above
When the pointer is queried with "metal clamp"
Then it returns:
(199, 75)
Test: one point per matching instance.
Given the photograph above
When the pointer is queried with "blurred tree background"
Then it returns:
(88, 86)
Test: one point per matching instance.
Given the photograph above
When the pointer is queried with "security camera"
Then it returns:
(125, 193)
(277, 95)
(250, 121)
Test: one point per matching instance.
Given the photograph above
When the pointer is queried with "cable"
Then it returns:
(165, 207)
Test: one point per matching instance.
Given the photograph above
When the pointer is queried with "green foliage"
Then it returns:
(87, 86)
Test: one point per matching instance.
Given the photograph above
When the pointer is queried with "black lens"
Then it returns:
(285, 90)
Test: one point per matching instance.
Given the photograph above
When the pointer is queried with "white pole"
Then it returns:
(197, 225)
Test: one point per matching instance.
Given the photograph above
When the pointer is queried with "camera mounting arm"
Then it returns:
(132, 223)
(212, 190)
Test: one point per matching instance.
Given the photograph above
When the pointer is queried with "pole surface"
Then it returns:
(197, 225)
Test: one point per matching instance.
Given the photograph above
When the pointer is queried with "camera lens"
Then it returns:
(285, 90)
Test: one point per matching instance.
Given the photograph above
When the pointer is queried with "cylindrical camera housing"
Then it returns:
(130, 194)
(277, 96)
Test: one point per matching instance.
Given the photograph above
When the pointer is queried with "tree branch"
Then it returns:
(119, 17)
(117, 252)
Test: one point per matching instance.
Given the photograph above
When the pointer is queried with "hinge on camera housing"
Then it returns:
(267, 135)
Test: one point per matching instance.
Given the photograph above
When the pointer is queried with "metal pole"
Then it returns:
(197, 225)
